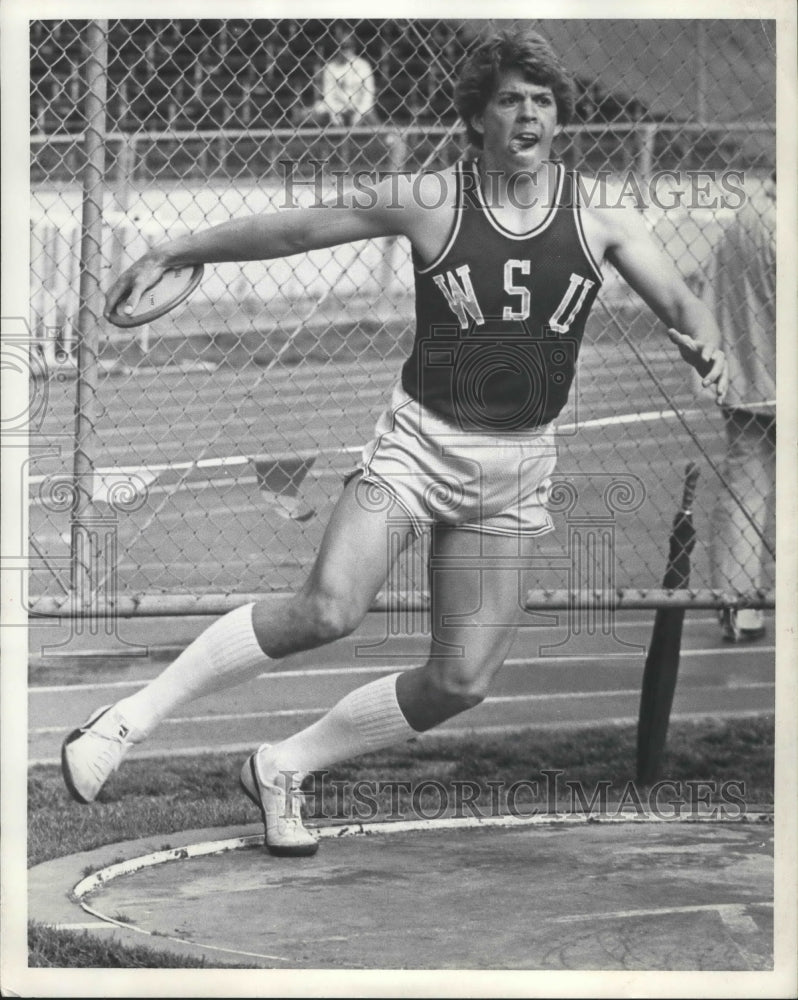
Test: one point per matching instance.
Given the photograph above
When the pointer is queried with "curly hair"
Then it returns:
(527, 52)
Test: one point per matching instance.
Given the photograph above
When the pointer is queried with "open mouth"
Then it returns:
(524, 141)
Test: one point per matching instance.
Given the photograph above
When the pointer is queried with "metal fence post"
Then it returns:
(646, 137)
(83, 538)
(125, 171)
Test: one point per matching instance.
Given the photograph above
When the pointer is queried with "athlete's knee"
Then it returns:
(330, 614)
(461, 685)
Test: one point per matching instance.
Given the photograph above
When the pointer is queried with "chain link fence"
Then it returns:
(200, 455)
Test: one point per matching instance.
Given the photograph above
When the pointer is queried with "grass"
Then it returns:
(57, 949)
(159, 797)
(150, 798)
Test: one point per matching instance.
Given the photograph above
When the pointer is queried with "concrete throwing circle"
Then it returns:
(550, 893)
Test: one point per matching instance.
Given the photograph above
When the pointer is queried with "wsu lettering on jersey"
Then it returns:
(500, 316)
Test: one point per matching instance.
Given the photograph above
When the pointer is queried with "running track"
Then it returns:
(213, 525)
(214, 528)
(595, 678)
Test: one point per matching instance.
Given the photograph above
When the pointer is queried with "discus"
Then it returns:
(173, 287)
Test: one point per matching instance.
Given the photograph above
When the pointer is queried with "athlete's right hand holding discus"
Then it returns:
(384, 210)
(125, 293)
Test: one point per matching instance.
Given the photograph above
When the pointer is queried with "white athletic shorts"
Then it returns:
(439, 474)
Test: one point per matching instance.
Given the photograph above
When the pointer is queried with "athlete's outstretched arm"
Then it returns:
(691, 325)
(265, 237)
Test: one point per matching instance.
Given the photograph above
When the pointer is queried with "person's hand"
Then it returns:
(133, 283)
(708, 361)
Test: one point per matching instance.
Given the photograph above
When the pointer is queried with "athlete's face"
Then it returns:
(519, 121)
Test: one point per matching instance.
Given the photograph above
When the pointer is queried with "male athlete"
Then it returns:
(507, 266)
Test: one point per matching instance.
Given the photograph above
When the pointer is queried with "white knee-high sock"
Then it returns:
(225, 654)
(368, 718)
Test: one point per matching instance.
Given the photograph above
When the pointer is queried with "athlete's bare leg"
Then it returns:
(351, 566)
(478, 583)
(478, 586)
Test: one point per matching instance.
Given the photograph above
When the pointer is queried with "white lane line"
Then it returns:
(571, 444)
(268, 393)
(609, 421)
(179, 417)
(212, 421)
(560, 725)
(111, 922)
(207, 463)
(254, 506)
(287, 713)
(233, 402)
(336, 469)
(732, 651)
(634, 660)
(291, 437)
(628, 418)
(292, 385)
(444, 732)
(730, 913)
(642, 621)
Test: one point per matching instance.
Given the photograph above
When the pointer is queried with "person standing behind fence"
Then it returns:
(348, 90)
(741, 291)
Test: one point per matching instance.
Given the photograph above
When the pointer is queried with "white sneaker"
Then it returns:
(91, 754)
(280, 804)
(745, 625)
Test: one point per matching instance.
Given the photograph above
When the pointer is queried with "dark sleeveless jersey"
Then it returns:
(500, 316)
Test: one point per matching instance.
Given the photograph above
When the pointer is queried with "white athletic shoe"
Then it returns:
(280, 804)
(745, 625)
(91, 754)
